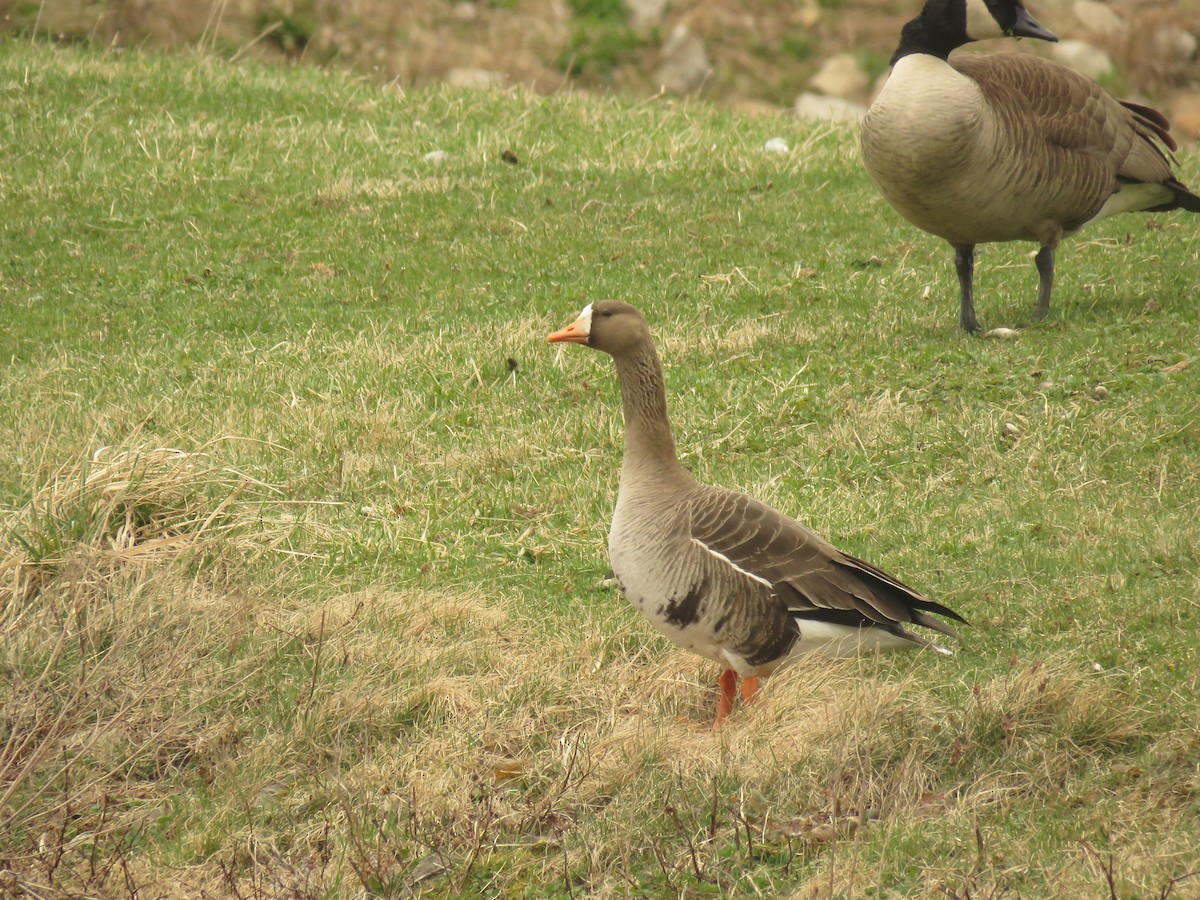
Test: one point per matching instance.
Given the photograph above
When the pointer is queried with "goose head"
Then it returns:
(944, 25)
(609, 325)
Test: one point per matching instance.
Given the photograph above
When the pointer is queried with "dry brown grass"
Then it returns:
(550, 752)
(120, 509)
(117, 614)
(421, 735)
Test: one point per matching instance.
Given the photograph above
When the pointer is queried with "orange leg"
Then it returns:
(750, 688)
(728, 684)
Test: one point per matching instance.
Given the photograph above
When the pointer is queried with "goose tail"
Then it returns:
(1184, 199)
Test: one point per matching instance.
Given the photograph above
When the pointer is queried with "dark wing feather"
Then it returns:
(1096, 139)
(1078, 134)
(811, 576)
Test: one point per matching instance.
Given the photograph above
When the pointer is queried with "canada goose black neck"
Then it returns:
(945, 25)
(940, 29)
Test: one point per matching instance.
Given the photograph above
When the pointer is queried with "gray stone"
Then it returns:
(841, 76)
(468, 77)
(685, 65)
(819, 108)
(1098, 19)
(1082, 57)
(645, 15)
(1173, 45)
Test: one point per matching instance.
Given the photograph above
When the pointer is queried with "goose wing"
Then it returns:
(1078, 125)
(810, 576)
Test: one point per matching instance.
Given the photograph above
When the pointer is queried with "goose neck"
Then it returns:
(649, 443)
(917, 37)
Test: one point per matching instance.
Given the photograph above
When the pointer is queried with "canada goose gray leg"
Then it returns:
(1045, 267)
(964, 262)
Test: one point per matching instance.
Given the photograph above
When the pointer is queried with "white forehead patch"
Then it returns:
(585, 320)
(981, 24)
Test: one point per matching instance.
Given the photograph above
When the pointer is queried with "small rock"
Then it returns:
(470, 77)
(1044, 386)
(465, 11)
(776, 145)
(1010, 431)
(436, 157)
(645, 15)
(1082, 57)
(1173, 45)
(685, 66)
(1099, 392)
(1002, 333)
(434, 865)
(818, 108)
(1096, 667)
(841, 76)
(808, 16)
(1098, 19)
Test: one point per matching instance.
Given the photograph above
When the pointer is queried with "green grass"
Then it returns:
(370, 650)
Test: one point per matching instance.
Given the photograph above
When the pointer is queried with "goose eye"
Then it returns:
(606, 314)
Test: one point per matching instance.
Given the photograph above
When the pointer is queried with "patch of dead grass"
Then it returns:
(114, 644)
(573, 744)
(449, 722)
(362, 734)
(121, 508)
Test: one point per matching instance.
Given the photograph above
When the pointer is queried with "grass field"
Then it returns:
(303, 524)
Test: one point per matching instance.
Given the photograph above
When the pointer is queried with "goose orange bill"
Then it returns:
(577, 332)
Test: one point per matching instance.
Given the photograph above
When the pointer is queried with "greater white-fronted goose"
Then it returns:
(717, 571)
(1005, 146)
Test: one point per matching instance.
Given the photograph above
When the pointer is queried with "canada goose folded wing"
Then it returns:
(1091, 139)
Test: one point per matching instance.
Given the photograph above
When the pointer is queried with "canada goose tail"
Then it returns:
(1184, 199)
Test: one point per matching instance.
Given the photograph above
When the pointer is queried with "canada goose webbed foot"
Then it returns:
(964, 263)
(1045, 268)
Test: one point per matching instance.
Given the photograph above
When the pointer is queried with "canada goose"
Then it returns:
(717, 571)
(1005, 146)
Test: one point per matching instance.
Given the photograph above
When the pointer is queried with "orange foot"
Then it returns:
(728, 684)
(729, 690)
(750, 688)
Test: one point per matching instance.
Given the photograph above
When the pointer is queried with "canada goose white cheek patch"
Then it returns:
(981, 24)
